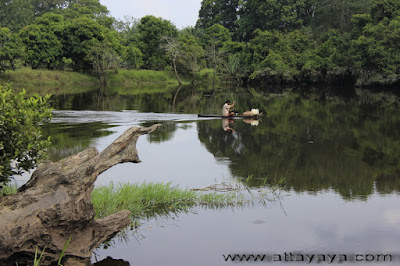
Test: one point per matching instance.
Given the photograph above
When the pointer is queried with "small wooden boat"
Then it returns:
(231, 117)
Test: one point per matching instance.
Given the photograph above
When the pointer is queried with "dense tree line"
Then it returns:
(269, 41)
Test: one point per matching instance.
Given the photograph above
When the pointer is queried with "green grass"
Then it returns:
(7, 189)
(122, 81)
(148, 200)
(132, 82)
(49, 81)
(152, 199)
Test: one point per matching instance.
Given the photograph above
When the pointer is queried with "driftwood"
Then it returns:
(55, 204)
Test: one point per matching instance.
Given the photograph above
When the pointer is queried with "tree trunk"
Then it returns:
(176, 72)
(55, 204)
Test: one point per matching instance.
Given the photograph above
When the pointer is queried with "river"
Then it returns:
(336, 159)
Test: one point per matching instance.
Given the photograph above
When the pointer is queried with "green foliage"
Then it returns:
(154, 199)
(15, 14)
(375, 43)
(220, 12)
(336, 14)
(7, 189)
(91, 9)
(133, 57)
(273, 61)
(191, 53)
(11, 51)
(271, 15)
(39, 81)
(81, 35)
(41, 7)
(233, 67)
(21, 145)
(151, 36)
(382, 9)
(44, 47)
(273, 50)
(217, 35)
(314, 40)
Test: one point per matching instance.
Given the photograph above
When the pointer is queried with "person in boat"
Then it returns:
(227, 109)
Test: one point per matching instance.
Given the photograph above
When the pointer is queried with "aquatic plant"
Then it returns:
(149, 199)
(154, 199)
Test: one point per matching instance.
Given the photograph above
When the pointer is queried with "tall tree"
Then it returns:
(43, 41)
(173, 48)
(43, 6)
(105, 59)
(222, 12)
(215, 37)
(88, 8)
(385, 9)
(271, 15)
(336, 14)
(151, 36)
(374, 49)
(132, 57)
(192, 52)
(80, 36)
(11, 49)
(15, 14)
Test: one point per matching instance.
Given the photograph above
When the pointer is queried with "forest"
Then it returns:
(301, 42)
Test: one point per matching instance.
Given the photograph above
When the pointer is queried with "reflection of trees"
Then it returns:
(164, 133)
(184, 99)
(146, 101)
(67, 139)
(314, 146)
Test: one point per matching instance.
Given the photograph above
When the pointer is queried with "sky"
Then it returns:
(182, 13)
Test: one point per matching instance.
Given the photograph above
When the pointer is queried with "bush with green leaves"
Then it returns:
(21, 142)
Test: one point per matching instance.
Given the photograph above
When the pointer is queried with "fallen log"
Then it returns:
(55, 204)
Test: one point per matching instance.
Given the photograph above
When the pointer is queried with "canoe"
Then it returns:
(230, 117)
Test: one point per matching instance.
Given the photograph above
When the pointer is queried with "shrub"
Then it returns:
(21, 143)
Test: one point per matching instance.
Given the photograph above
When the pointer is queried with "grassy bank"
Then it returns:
(122, 81)
(131, 82)
(58, 82)
(49, 81)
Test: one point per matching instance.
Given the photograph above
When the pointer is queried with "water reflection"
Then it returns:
(339, 157)
(314, 145)
(227, 125)
(70, 139)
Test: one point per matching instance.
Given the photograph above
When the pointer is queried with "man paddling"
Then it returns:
(227, 108)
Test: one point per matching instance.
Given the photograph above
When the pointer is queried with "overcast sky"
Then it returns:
(182, 13)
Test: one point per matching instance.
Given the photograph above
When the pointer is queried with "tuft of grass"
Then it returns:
(152, 199)
(36, 260)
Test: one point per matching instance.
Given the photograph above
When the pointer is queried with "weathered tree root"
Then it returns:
(56, 204)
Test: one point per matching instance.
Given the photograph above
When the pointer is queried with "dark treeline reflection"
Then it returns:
(69, 139)
(350, 148)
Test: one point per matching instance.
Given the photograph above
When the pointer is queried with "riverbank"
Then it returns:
(49, 81)
(122, 81)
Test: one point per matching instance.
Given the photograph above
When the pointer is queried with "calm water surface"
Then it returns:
(339, 162)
